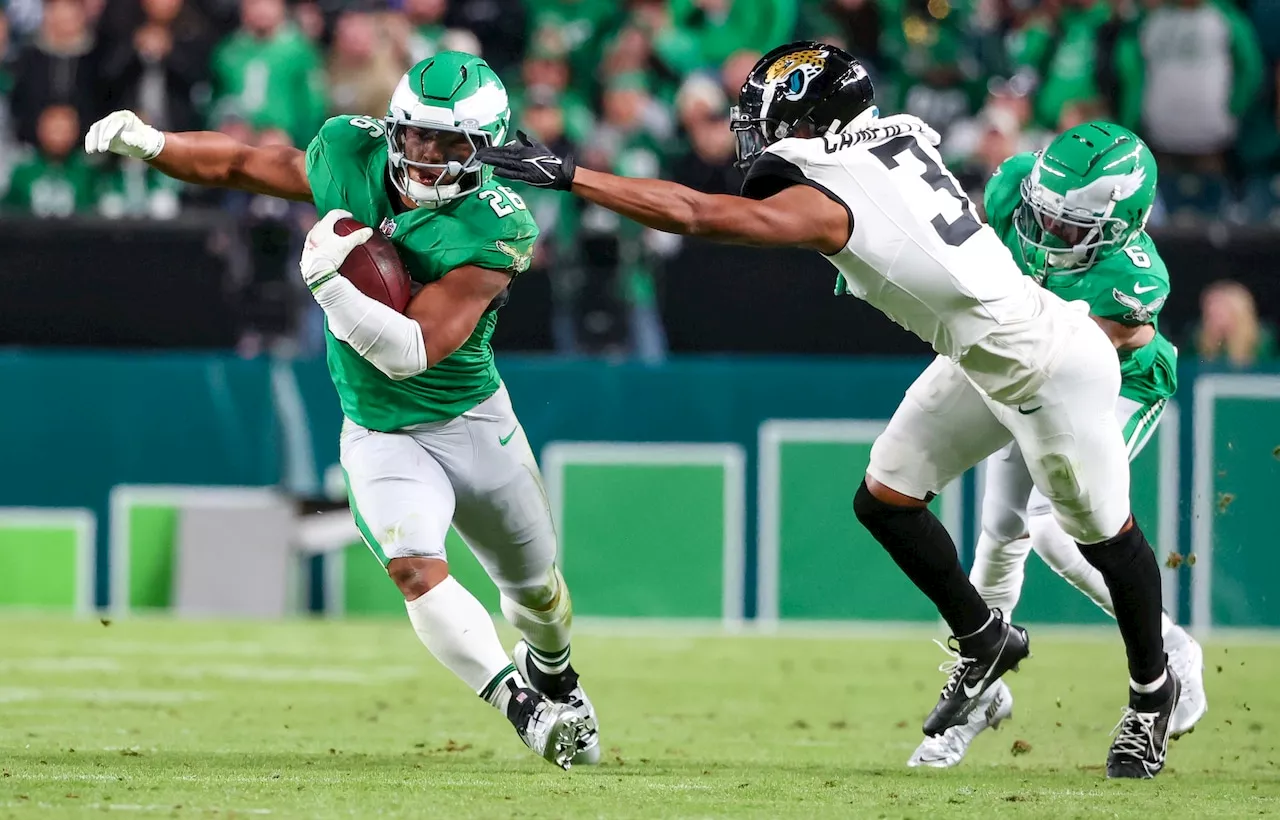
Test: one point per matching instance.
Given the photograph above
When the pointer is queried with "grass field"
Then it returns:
(354, 719)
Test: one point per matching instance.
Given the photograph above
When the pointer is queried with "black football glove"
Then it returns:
(529, 161)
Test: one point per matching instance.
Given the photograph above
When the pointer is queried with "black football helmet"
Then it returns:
(801, 89)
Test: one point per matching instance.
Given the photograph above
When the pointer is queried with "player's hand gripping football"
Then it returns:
(324, 250)
(121, 132)
(527, 160)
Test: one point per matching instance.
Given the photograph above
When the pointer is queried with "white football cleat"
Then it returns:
(564, 689)
(552, 730)
(1186, 659)
(947, 749)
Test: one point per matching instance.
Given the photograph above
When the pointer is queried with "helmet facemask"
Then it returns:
(1089, 193)
(1064, 240)
(752, 136)
(443, 157)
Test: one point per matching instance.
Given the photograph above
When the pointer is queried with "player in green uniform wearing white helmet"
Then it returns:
(1073, 216)
(430, 438)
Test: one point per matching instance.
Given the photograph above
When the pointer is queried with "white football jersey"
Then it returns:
(918, 251)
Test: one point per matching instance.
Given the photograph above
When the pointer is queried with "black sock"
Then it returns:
(1152, 701)
(918, 543)
(1132, 575)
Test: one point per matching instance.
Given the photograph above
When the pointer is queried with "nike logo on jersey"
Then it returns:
(1028, 412)
(1141, 289)
(502, 440)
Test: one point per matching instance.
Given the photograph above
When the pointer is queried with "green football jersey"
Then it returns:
(490, 228)
(1128, 285)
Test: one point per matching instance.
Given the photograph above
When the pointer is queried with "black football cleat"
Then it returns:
(979, 662)
(1142, 735)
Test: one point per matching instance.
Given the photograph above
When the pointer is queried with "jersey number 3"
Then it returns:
(955, 232)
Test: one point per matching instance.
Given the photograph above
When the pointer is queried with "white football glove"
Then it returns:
(324, 251)
(121, 132)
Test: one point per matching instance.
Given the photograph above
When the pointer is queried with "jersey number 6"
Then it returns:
(955, 232)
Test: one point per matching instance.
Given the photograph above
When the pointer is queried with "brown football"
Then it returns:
(375, 268)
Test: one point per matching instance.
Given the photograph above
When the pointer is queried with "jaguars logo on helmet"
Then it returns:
(803, 89)
(796, 70)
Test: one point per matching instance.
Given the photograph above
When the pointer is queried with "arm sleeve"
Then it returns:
(390, 341)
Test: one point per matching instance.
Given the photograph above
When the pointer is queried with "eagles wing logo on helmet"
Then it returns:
(796, 70)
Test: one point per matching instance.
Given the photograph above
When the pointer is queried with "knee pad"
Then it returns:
(1004, 525)
(538, 596)
(538, 607)
(1062, 487)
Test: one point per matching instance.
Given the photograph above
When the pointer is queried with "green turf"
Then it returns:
(313, 720)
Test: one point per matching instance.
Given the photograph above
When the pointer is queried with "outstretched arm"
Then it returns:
(204, 157)
(798, 216)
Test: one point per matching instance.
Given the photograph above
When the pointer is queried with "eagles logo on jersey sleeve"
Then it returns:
(1140, 312)
(1130, 285)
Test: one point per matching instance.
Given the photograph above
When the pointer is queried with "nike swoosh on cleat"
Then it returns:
(1028, 412)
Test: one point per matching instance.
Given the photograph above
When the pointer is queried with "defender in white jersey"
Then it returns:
(1015, 362)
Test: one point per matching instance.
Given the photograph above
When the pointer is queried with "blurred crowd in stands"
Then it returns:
(640, 87)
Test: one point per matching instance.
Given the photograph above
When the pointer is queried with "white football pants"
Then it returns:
(1067, 430)
(1016, 518)
(476, 472)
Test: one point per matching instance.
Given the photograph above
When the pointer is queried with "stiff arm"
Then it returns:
(798, 216)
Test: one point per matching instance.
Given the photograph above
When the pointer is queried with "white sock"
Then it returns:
(455, 627)
(998, 571)
(1148, 688)
(1062, 554)
(546, 629)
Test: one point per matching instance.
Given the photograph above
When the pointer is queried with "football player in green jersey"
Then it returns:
(1073, 217)
(429, 437)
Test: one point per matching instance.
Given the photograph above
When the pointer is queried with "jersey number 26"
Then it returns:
(955, 232)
